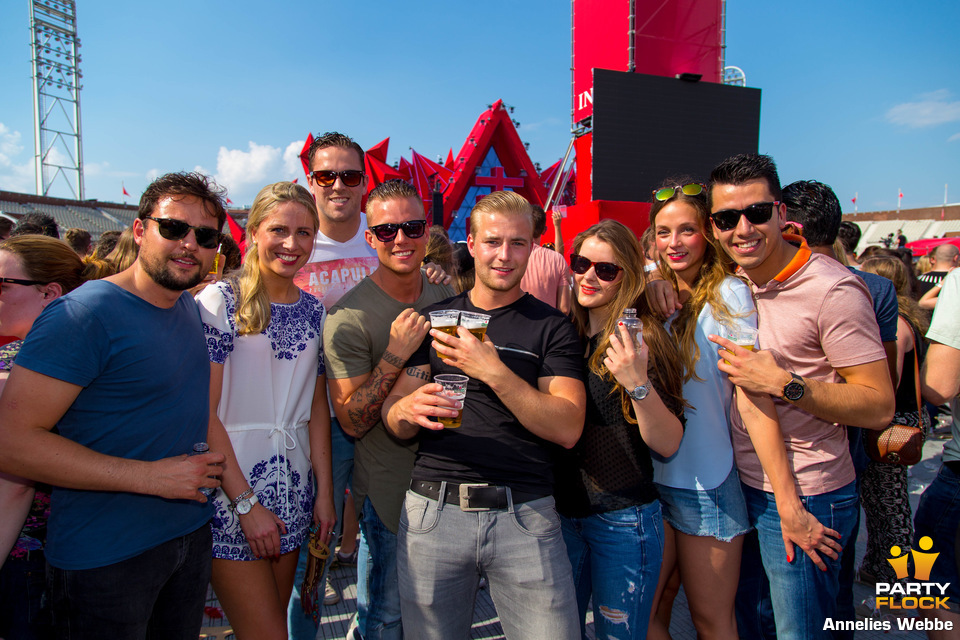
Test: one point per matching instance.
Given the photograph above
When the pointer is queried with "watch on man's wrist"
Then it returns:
(639, 392)
(793, 390)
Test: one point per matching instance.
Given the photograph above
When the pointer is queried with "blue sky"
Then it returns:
(862, 95)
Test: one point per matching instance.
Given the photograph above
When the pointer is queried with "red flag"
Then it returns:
(124, 190)
(901, 194)
(294, 181)
(853, 200)
(229, 201)
(303, 154)
(237, 234)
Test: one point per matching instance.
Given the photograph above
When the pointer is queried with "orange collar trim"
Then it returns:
(798, 260)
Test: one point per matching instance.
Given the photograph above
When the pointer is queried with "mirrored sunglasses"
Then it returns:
(411, 229)
(349, 178)
(692, 189)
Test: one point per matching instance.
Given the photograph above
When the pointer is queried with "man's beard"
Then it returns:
(163, 276)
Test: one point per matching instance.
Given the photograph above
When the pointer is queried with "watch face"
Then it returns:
(640, 393)
(244, 506)
(793, 391)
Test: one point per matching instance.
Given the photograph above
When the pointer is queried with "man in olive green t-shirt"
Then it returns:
(368, 336)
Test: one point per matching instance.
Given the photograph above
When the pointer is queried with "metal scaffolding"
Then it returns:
(56, 96)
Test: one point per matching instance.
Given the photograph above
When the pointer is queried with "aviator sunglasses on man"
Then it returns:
(388, 231)
(606, 271)
(207, 237)
(349, 178)
(758, 213)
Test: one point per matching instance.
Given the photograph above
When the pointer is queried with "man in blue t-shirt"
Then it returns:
(120, 368)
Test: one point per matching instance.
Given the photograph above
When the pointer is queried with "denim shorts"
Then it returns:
(938, 516)
(719, 513)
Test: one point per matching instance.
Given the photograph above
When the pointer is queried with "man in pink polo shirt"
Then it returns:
(822, 365)
(547, 275)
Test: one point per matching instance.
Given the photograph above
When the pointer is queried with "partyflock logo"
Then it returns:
(919, 593)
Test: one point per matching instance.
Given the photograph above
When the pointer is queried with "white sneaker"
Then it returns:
(330, 595)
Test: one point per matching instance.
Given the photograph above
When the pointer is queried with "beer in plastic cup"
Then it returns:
(446, 321)
(454, 388)
(742, 335)
(475, 323)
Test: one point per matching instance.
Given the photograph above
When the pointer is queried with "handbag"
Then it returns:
(310, 593)
(898, 443)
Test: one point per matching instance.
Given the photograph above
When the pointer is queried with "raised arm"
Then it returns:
(357, 400)
(412, 404)
(32, 404)
(557, 233)
(554, 410)
(866, 400)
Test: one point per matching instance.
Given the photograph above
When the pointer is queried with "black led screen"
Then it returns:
(646, 128)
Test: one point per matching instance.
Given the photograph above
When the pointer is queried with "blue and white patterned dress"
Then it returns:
(268, 386)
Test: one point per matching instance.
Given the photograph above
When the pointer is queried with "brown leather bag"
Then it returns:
(899, 443)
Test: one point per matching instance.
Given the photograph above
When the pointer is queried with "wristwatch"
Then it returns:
(639, 393)
(793, 390)
(244, 502)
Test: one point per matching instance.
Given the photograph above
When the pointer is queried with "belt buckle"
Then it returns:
(465, 497)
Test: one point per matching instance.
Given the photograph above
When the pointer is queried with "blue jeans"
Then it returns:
(22, 595)
(378, 595)
(801, 595)
(301, 625)
(158, 594)
(938, 516)
(442, 552)
(616, 558)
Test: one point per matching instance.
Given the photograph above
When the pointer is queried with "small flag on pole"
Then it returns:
(124, 190)
(229, 201)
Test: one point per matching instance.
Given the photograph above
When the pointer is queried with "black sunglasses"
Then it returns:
(349, 178)
(692, 189)
(25, 283)
(207, 237)
(758, 213)
(606, 271)
(388, 231)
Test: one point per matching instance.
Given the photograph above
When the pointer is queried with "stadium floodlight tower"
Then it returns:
(56, 95)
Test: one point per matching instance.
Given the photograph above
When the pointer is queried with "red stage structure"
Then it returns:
(647, 42)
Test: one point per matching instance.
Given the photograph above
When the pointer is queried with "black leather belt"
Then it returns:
(471, 497)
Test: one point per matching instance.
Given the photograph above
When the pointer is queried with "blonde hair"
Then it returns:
(663, 363)
(126, 251)
(253, 303)
(505, 202)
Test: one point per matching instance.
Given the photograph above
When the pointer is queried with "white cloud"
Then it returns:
(153, 174)
(291, 160)
(954, 137)
(103, 169)
(237, 168)
(931, 109)
(14, 176)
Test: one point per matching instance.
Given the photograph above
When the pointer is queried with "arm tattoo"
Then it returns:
(420, 374)
(393, 359)
(370, 397)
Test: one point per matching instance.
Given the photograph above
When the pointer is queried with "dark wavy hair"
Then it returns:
(181, 185)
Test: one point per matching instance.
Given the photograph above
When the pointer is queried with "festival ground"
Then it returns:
(486, 625)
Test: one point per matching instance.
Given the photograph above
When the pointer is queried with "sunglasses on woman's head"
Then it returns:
(758, 213)
(349, 178)
(207, 237)
(606, 271)
(692, 189)
(411, 229)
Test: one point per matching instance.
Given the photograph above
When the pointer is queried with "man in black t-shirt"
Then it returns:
(480, 499)
(943, 260)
